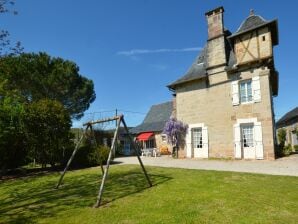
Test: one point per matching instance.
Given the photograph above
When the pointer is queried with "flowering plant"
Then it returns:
(176, 132)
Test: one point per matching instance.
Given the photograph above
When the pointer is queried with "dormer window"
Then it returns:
(245, 91)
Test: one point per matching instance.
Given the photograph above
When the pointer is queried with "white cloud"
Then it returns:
(155, 51)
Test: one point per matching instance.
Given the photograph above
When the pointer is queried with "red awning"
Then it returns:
(144, 136)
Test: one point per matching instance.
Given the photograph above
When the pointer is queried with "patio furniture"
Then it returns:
(156, 152)
(147, 152)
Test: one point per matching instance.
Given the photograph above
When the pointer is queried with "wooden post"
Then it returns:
(136, 151)
(72, 156)
(97, 204)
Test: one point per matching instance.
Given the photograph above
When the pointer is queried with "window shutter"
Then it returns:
(235, 93)
(237, 141)
(258, 140)
(205, 138)
(256, 89)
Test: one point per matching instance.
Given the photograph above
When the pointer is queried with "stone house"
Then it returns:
(290, 123)
(149, 133)
(226, 95)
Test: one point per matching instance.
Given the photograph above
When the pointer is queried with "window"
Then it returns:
(164, 138)
(264, 38)
(197, 137)
(150, 144)
(247, 135)
(245, 91)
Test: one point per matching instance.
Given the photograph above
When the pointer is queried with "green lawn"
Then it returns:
(179, 196)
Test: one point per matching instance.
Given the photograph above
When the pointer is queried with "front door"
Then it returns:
(198, 151)
(247, 141)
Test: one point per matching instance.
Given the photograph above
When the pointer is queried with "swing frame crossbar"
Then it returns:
(119, 119)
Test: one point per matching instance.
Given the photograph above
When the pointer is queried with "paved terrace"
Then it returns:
(285, 166)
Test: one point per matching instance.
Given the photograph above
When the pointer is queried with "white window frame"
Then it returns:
(249, 98)
(247, 135)
(197, 140)
(255, 91)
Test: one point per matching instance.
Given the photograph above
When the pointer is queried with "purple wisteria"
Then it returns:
(176, 132)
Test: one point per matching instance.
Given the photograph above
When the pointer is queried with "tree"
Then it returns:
(38, 76)
(283, 149)
(176, 132)
(281, 135)
(13, 152)
(48, 130)
(5, 45)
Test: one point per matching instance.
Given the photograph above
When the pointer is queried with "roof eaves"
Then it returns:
(176, 83)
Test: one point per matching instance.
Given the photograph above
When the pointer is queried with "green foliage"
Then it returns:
(12, 135)
(89, 155)
(48, 128)
(38, 76)
(47, 92)
(296, 148)
(281, 135)
(104, 152)
(287, 149)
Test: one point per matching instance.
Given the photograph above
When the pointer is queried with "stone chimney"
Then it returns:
(215, 22)
(216, 51)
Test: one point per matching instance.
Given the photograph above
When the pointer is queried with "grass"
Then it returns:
(178, 196)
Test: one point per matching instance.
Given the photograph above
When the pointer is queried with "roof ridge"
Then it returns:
(248, 17)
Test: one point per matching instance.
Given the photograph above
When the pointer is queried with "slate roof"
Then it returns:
(155, 119)
(255, 21)
(250, 23)
(196, 71)
(288, 118)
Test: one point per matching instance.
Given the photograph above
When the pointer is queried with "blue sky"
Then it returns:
(132, 49)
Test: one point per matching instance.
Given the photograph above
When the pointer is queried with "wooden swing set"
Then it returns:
(119, 119)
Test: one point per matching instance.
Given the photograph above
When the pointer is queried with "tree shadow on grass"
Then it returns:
(36, 198)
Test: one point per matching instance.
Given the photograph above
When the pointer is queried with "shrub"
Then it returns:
(88, 155)
(103, 154)
(13, 151)
(48, 129)
(287, 149)
(281, 135)
(296, 148)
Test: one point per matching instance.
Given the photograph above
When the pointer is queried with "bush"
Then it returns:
(103, 154)
(13, 151)
(296, 148)
(88, 155)
(287, 149)
(48, 129)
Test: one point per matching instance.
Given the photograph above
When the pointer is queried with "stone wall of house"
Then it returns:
(161, 143)
(212, 105)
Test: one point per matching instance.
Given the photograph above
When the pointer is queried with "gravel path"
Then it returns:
(285, 166)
